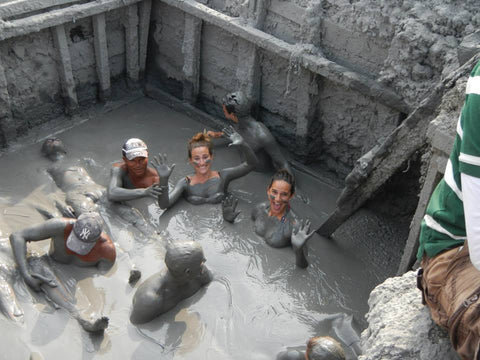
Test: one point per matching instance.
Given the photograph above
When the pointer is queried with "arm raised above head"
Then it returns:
(272, 149)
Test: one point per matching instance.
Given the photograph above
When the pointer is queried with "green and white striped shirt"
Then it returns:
(443, 226)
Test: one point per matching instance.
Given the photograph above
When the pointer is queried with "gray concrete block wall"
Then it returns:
(116, 42)
(32, 79)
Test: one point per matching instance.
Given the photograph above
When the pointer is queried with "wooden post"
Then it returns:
(7, 126)
(101, 56)
(144, 10)
(65, 68)
(191, 55)
(131, 45)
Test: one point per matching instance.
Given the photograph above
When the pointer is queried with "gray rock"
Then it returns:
(400, 327)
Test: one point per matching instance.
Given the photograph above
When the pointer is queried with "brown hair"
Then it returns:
(284, 175)
(198, 140)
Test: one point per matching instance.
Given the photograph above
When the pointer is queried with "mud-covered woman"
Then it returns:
(205, 185)
(275, 221)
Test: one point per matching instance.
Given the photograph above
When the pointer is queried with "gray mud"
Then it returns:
(258, 303)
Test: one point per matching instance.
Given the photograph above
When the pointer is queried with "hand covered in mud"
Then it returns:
(160, 164)
(301, 234)
(154, 191)
(229, 206)
(66, 210)
(35, 281)
(233, 135)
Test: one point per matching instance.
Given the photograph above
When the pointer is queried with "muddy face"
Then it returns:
(137, 166)
(279, 195)
(201, 160)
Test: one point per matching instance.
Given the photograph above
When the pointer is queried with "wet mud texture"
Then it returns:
(258, 303)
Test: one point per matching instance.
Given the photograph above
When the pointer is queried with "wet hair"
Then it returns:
(286, 176)
(49, 148)
(198, 140)
(237, 103)
(181, 255)
(324, 348)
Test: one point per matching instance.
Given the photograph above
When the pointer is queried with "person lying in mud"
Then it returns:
(205, 185)
(236, 108)
(82, 193)
(78, 242)
(184, 275)
(276, 223)
(318, 348)
(133, 178)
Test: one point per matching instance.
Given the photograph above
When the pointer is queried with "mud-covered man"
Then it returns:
(78, 242)
(184, 275)
(236, 107)
(133, 178)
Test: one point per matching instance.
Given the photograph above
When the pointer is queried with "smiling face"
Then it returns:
(137, 166)
(201, 160)
(279, 195)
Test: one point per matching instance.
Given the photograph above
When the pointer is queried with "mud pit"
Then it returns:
(258, 303)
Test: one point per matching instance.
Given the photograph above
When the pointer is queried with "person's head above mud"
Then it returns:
(324, 348)
(133, 178)
(53, 148)
(184, 275)
(205, 185)
(73, 241)
(236, 106)
(276, 223)
(185, 260)
(280, 191)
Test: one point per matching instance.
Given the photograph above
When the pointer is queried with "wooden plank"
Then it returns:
(101, 56)
(18, 7)
(369, 175)
(131, 45)
(144, 10)
(35, 23)
(191, 55)
(313, 62)
(65, 68)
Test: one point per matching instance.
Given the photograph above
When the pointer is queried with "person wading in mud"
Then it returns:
(79, 242)
(449, 248)
(133, 178)
(236, 108)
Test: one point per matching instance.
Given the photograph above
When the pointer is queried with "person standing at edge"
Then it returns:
(449, 250)
(236, 108)
(133, 178)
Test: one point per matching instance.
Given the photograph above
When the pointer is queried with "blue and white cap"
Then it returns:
(85, 234)
(134, 148)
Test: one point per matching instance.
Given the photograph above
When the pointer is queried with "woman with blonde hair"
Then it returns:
(205, 185)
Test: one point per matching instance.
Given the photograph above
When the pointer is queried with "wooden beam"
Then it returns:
(191, 55)
(131, 45)
(377, 166)
(35, 23)
(101, 56)
(144, 10)
(18, 7)
(7, 125)
(65, 68)
(313, 62)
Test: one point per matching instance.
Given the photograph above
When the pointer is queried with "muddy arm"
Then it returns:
(167, 199)
(19, 239)
(271, 147)
(116, 192)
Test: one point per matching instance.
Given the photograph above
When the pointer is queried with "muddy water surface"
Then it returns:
(258, 303)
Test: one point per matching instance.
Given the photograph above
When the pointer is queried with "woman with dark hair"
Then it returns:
(275, 221)
(205, 185)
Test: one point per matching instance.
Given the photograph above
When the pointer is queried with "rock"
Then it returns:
(400, 327)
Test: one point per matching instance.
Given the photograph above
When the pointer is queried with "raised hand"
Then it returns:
(233, 135)
(301, 234)
(229, 208)
(160, 164)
